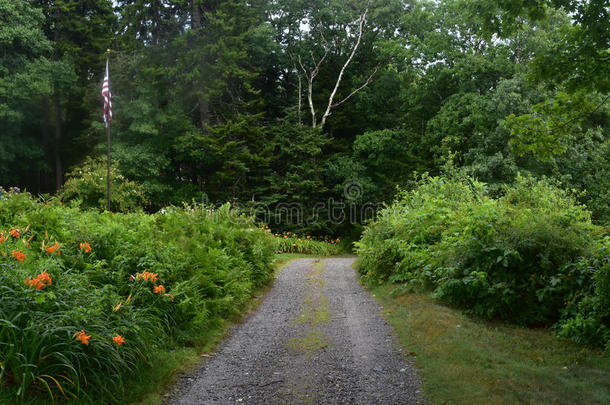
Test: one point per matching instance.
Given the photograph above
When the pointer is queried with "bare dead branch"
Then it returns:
(366, 83)
(345, 65)
(303, 67)
(310, 77)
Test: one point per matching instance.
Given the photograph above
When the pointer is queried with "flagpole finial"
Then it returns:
(107, 50)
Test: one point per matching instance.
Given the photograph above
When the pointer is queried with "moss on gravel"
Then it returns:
(312, 341)
(315, 311)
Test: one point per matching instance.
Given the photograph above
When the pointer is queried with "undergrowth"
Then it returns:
(531, 256)
(87, 299)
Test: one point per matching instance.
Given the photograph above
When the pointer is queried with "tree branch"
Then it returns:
(316, 70)
(309, 92)
(349, 60)
(302, 67)
(366, 83)
(580, 116)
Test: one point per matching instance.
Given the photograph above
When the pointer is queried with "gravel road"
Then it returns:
(317, 338)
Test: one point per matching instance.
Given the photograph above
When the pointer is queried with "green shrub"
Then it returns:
(207, 261)
(305, 244)
(395, 245)
(86, 186)
(509, 258)
(504, 258)
(586, 318)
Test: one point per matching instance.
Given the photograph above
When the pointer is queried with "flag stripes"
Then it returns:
(107, 97)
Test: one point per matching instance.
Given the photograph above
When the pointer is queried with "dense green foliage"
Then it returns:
(240, 101)
(85, 186)
(207, 261)
(531, 256)
(306, 114)
(305, 244)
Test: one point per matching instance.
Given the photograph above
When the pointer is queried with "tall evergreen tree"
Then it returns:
(80, 32)
(26, 74)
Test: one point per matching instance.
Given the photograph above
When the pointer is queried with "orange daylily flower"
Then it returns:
(86, 247)
(159, 289)
(18, 255)
(15, 233)
(2, 237)
(82, 337)
(40, 281)
(285, 236)
(294, 244)
(54, 249)
(308, 237)
(118, 340)
(147, 276)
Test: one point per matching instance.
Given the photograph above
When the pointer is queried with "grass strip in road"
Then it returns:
(315, 309)
(314, 312)
(467, 361)
(312, 341)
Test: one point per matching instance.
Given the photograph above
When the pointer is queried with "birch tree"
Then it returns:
(311, 74)
(334, 47)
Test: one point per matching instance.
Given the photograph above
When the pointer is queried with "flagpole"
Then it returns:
(108, 149)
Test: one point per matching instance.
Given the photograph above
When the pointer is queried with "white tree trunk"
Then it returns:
(310, 74)
(330, 105)
(300, 99)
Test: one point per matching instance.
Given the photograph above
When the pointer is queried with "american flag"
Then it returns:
(107, 97)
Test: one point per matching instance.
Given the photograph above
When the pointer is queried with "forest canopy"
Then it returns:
(271, 102)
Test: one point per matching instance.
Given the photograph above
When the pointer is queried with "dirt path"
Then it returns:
(318, 338)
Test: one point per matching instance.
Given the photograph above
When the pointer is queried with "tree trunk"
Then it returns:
(313, 72)
(330, 105)
(300, 96)
(43, 179)
(204, 105)
(195, 15)
(59, 174)
(310, 100)
(204, 114)
(59, 170)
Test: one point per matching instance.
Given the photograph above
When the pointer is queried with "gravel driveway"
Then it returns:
(317, 338)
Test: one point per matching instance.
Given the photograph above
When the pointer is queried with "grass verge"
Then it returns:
(467, 361)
